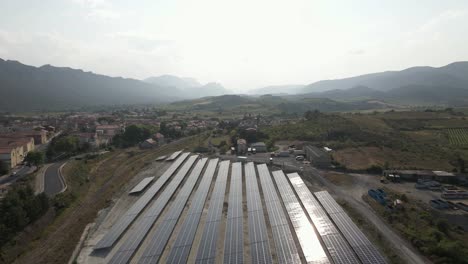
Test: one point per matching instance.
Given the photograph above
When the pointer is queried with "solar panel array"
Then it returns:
(174, 155)
(337, 246)
(284, 243)
(258, 236)
(207, 249)
(146, 222)
(122, 224)
(158, 240)
(309, 241)
(234, 239)
(161, 158)
(181, 249)
(364, 249)
(141, 185)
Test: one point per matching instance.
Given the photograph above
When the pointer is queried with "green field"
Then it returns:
(458, 136)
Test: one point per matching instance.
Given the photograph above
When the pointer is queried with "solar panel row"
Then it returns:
(117, 229)
(158, 240)
(161, 158)
(174, 155)
(207, 248)
(336, 245)
(284, 243)
(146, 222)
(181, 249)
(141, 185)
(309, 241)
(364, 249)
(234, 240)
(259, 245)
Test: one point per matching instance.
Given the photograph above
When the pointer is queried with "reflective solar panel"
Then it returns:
(141, 228)
(181, 249)
(363, 248)
(157, 241)
(284, 243)
(141, 185)
(336, 245)
(161, 158)
(234, 239)
(207, 248)
(174, 155)
(122, 224)
(309, 241)
(259, 245)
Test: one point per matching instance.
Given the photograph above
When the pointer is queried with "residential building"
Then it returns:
(9, 155)
(108, 130)
(40, 137)
(90, 138)
(159, 138)
(149, 144)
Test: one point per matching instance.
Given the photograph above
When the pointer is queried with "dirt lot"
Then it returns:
(362, 158)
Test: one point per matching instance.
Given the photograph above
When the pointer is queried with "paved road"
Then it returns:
(53, 182)
(19, 174)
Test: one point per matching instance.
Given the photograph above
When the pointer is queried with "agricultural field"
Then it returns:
(458, 136)
(401, 140)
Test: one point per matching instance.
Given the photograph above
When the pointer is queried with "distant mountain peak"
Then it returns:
(454, 75)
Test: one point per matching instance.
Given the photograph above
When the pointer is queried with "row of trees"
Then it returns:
(133, 135)
(19, 208)
(66, 144)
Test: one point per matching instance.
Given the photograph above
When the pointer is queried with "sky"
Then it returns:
(242, 44)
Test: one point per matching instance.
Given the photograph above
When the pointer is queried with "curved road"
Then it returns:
(53, 182)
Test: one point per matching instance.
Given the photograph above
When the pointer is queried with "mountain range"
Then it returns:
(188, 87)
(26, 88)
(451, 75)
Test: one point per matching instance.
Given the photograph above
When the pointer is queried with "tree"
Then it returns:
(133, 135)
(67, 144)
(4, 168)
(35, 157)
(311, 115)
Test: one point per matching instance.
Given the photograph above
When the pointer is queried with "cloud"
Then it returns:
(92, 3)
(442, 20)
(98, 10)
(357, 52)
(103, 14)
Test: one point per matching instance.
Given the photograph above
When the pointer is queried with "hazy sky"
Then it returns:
(241, 43)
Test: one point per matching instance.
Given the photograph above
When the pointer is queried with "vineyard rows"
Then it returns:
(458, 136)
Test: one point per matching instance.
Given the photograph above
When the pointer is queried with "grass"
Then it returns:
(399, 140)
(93, 184)
(430, 233)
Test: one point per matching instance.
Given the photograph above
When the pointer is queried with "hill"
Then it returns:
(452, 75)
(27, 88)
(173, 81)
(268, 104)
(278, 89)
(410, 95)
